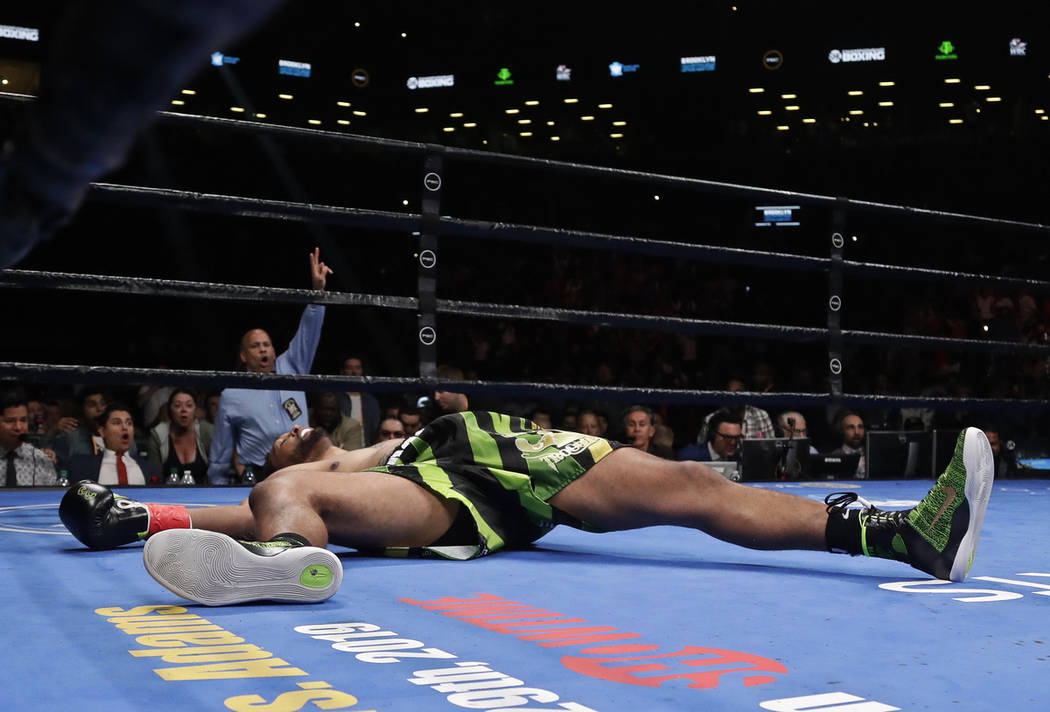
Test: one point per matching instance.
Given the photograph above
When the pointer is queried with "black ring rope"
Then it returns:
(399, 221)
(150, 286)
(67, 373)
(716, 187)
(409, 222)
(709, 186)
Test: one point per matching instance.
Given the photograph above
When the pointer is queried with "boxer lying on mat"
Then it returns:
(472, 483)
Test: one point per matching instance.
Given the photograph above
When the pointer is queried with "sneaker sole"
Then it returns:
(980, 474)
(213, 569)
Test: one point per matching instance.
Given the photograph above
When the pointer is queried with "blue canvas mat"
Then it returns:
(656, 619)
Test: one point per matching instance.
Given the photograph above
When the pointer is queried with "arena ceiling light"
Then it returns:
(982, 87)
(421, 109)
(344, 104)
(524, 121)
(619, 123)
(260, 116)
(189, 92)
(513, 111)
(532, 102)
(946, 104)
(605, 106)
(571, 101)
(360, 113)
(856, 112)
(620, 135)
(764, 112)
(887, 84)
(952, 80)
(783, 127)
(809, 121)
(470, 124)
(955, 121)
(456, 115)
(286, 97)
(237, 109)
(755, 90)
(789, 96)
(855, 92)
(449, 129)
(525, 134)
(587, 118)
(314, 122)
(178, 102)
(343, 122)
(885, 103)
(792, 107)
(993, 98)
(555, 138)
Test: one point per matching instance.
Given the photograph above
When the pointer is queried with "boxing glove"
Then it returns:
(101, 519)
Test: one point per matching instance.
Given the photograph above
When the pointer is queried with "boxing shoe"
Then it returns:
(217, 570)
(102, 519)
(940, 535)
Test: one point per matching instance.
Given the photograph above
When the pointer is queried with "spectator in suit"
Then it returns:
(344, 431)
(724, 432)
(24, 465)
(362, 407)
(117, 463)
(79, 435)
(851, 427)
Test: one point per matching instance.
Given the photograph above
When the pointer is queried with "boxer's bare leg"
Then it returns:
(357, 509)
(629, 489)
(234, 520)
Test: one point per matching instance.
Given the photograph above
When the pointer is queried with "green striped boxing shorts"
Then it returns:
(503, 470)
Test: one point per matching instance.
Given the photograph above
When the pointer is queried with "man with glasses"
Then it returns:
(724, 431)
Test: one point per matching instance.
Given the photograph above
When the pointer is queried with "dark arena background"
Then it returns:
(578, 206)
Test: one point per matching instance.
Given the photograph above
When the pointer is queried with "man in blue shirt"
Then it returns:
(248, 421)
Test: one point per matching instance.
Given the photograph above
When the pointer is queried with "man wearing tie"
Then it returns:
(117, 464)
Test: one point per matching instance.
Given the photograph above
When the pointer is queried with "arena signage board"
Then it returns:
(431, 82)
(618, 69)
(946, 50)
(293, 69)
(871, 54)
(778, 215)
(14, 32)
(698, 64)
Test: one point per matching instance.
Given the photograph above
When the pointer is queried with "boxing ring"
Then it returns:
(660, 619)
(656, 619)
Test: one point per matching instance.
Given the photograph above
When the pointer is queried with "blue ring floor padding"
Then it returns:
(655, 619)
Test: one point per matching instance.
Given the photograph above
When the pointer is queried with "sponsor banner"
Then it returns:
(618, 69)
(14, 32)
(698, 64)
(872, 54)
(563, 73)
(1018, 47)
(431, 82)
(293, 69)
(779, 215)
(603, 652)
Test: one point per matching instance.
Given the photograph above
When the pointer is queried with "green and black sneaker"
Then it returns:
(217, 570)
(940, 535)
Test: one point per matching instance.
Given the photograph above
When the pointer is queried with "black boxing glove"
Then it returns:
(101, 519)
